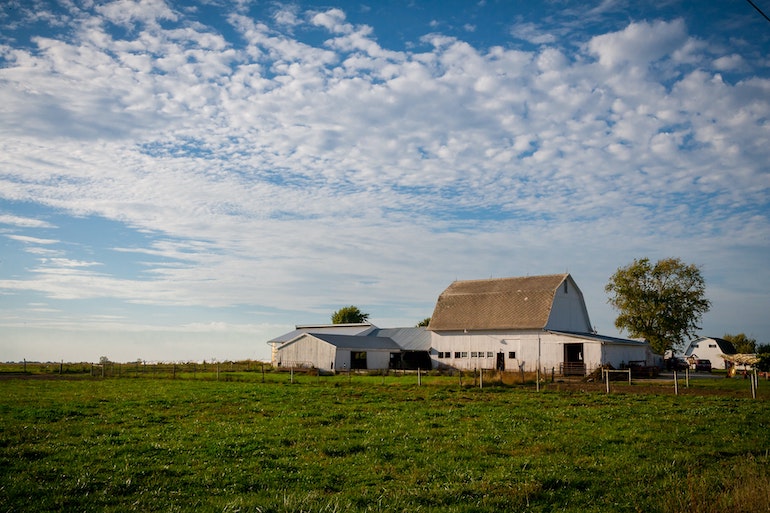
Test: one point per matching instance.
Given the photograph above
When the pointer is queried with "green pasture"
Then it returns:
(378, 443)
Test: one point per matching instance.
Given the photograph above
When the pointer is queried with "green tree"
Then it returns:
(742, 343)
(424, 322)
(349, 315)
(662, 303)
(763, 352)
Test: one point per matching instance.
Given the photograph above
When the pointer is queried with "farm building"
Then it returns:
(712, 349)
(330, 329)
(508, 324)
(514, 323)
(338, 347)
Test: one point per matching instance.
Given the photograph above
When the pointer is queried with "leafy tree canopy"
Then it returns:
(742, 343)
(661, 302)
(349, 315)
(424, 322)
(763, 352)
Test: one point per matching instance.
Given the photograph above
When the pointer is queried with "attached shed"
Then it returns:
(514, 323)
(333, 352)
(362, 328)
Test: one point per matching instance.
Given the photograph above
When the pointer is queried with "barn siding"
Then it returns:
(308, 351)
(523, 343)
(568, 312)
(525, 346)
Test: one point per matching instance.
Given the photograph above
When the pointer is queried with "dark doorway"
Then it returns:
(500, 361)
(358, 360)
(574, 365)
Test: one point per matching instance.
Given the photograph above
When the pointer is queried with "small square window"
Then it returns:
(464, 354)
(511, 355)
(490, 354)
(474, 354)
(457, 354)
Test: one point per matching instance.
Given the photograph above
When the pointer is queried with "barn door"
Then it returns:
(574, 365)
(500, 361)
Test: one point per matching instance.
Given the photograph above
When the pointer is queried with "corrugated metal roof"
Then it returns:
(357, 342)
(501, 303)
(410, 339)
(340, 329)
(601, 338)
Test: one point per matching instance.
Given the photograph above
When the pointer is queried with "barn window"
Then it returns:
(474, 354)
(712, 345)
(464, 354)
(565, 287)
(511, 355)
(490, 354)
(457, 354)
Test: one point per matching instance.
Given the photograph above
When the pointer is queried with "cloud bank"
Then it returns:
(280, 167)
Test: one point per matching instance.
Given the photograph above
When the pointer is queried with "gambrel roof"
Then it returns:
(499, 304)
(725, 346)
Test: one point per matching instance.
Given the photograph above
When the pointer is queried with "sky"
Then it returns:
(183, 181)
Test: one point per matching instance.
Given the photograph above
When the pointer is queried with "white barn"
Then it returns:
(330, 352)
(712, 349)
(362, 328)
(341, 347)
(514, 323)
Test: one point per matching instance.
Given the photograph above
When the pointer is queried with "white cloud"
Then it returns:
(24, 222)
(532, 33)
(32, 240)
(281, 174)
(639, 44)
(127, 12)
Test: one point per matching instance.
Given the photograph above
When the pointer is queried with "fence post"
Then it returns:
(676, 385)
(419, 377)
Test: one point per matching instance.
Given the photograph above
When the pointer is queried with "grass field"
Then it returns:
(370, 443)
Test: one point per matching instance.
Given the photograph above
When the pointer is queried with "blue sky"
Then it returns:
(185, 180)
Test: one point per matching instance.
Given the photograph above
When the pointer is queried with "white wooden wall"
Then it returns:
(308, 351)
(525, 346)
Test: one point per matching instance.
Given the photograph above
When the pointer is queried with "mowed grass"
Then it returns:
(367, 445)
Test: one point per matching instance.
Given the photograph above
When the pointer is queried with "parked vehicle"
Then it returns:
(703, 365)
(677, 364)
